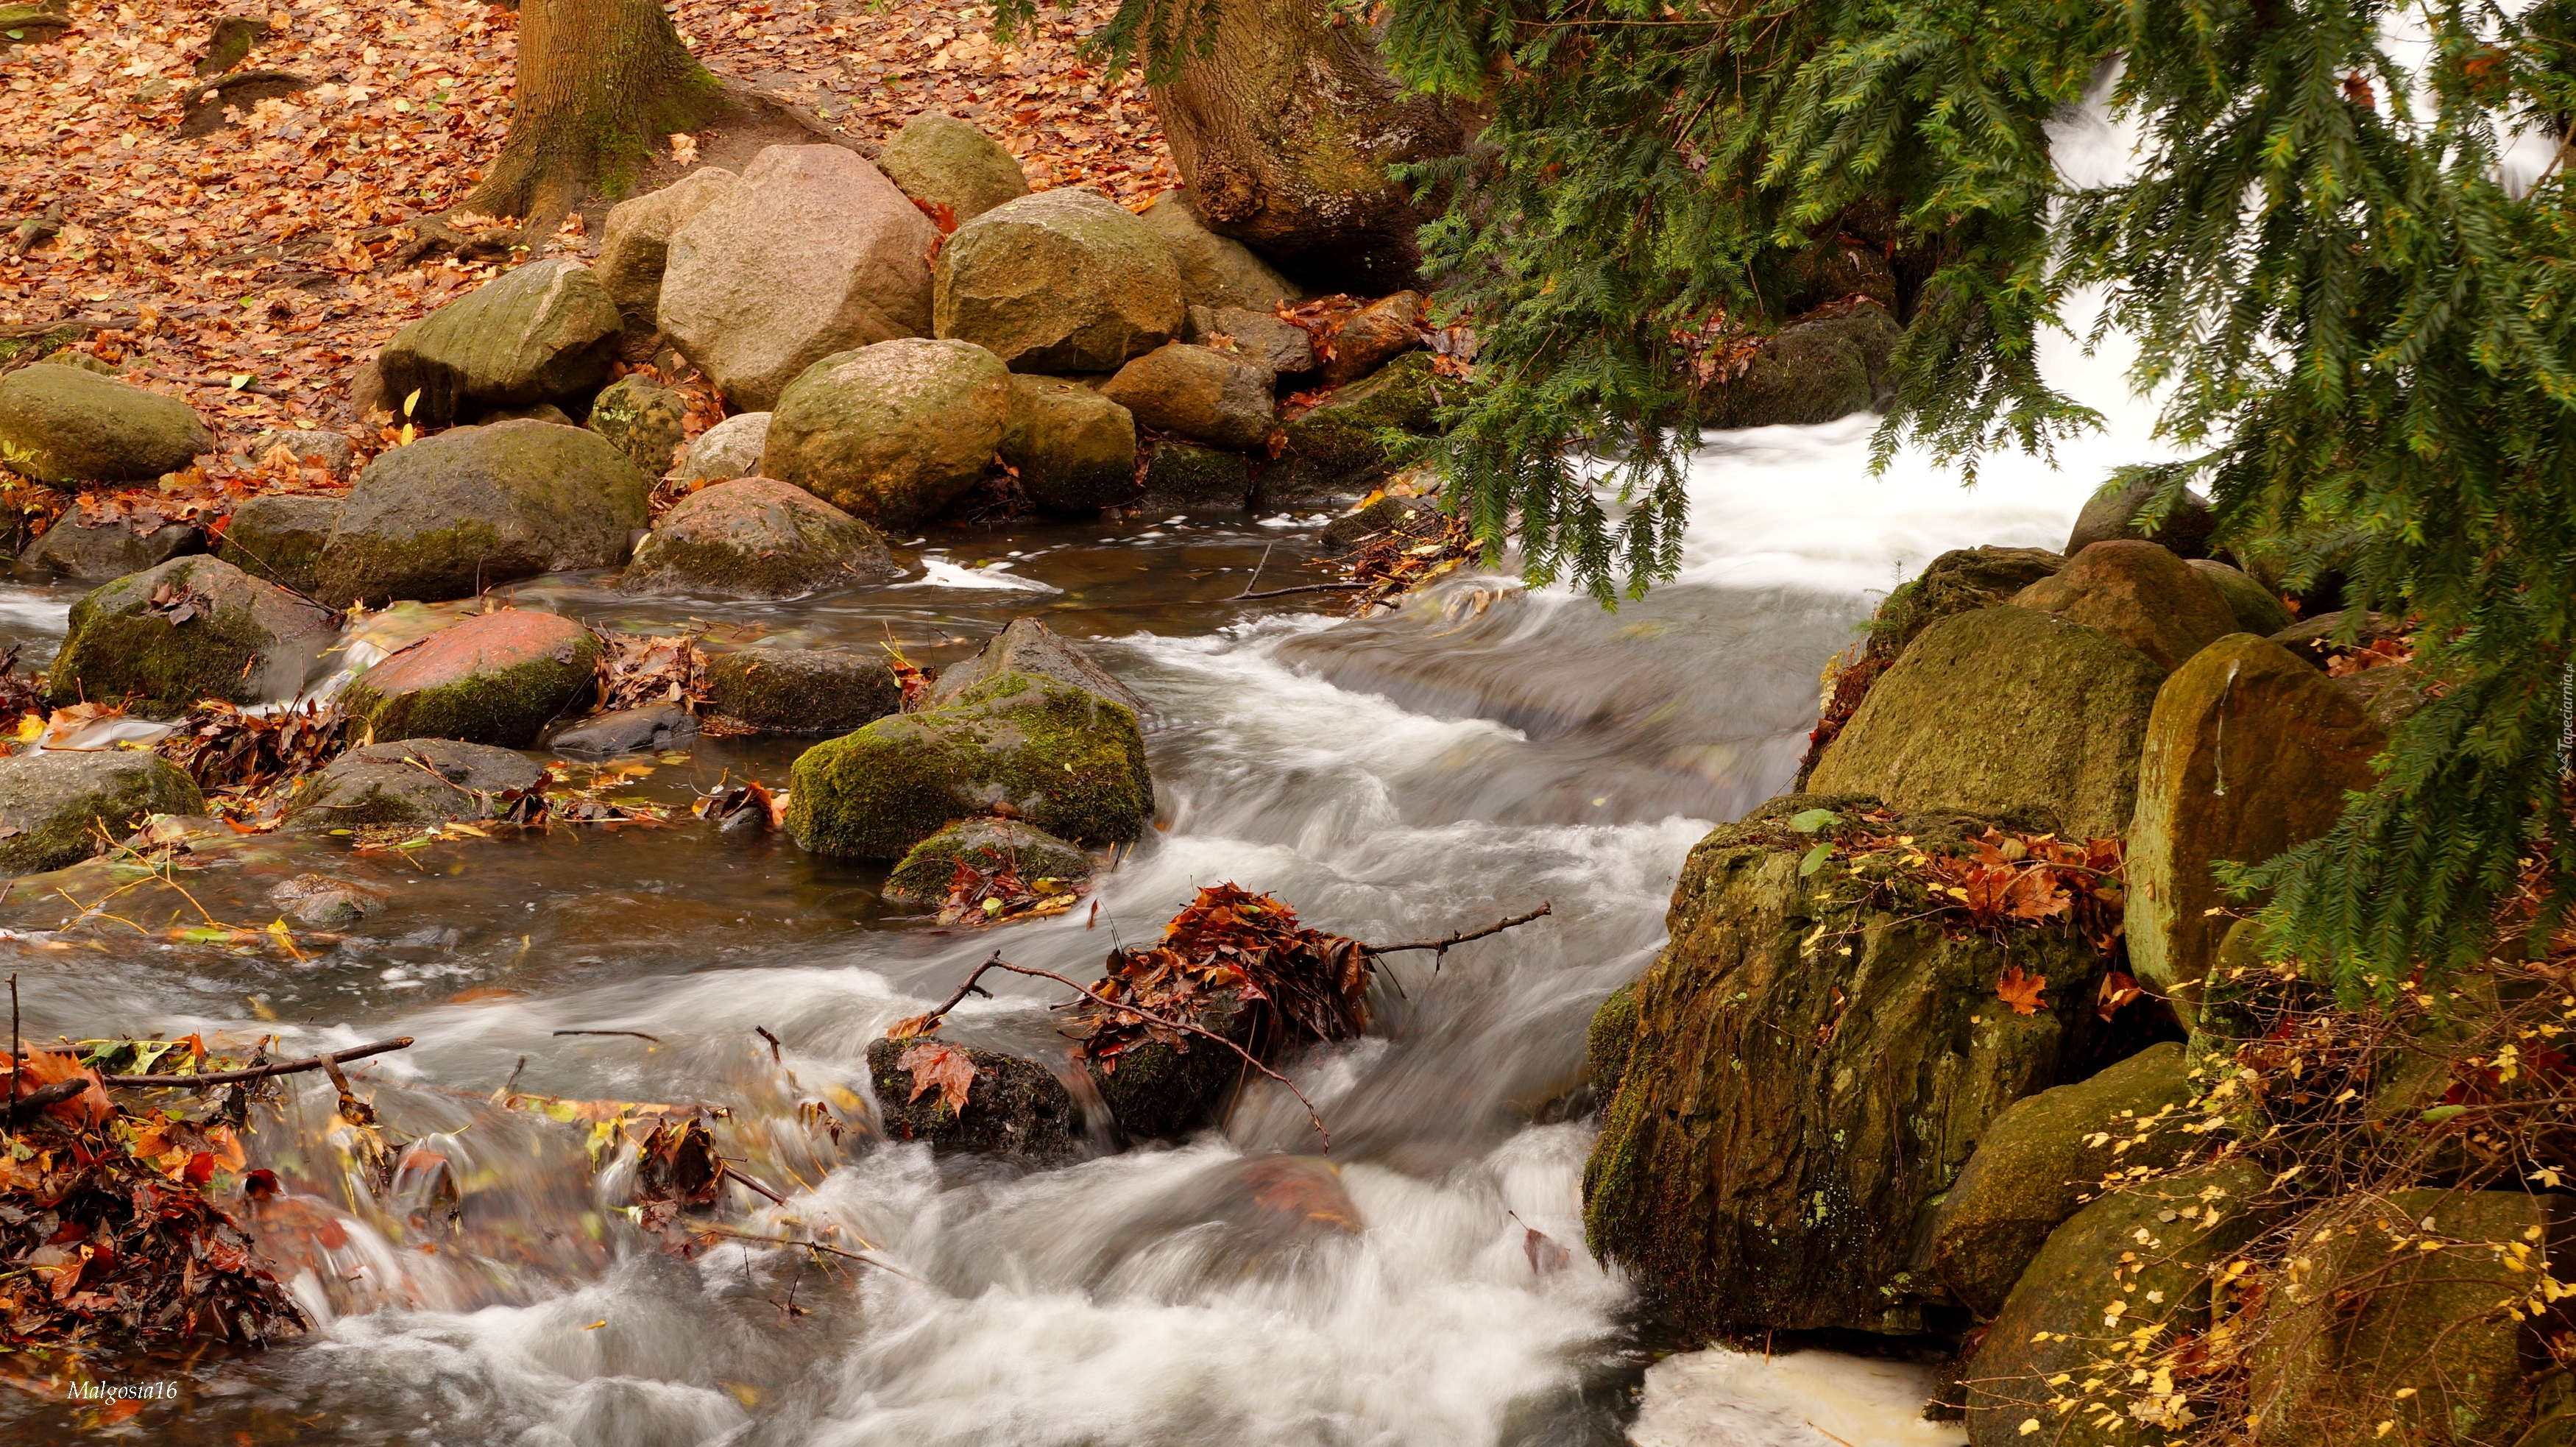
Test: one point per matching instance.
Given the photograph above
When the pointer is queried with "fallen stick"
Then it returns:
(638, 1034)
(1443, 946)
(699, 1229)
(42, 1096)
(1306, 588)
(261, 1072)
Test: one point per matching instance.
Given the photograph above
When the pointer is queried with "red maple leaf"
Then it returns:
(944, 1066)
(2020, 991)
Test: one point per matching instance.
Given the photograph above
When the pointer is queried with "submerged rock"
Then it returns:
(279, 536)
(67, 424)
(77, 551)
(1063, 281)
(892, 433)
(494, 678)
(1027, 645)
(941, 161)
(757, 537)
(2140, 594)
(216, 633)
(1015, 1107)
(986, 846)
(60, 806)
(539, 334)
(411, 782)
(808, 691)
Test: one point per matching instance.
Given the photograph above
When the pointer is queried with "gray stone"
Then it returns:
(2109, 515)
(412, 782)
(1074, 449)
(805, 691)
(217, 633)
(1199, 393)
(1015, 1108)
(943, 162)
(322, 902)
(77, 551)
(636, 243)
(1028, 646)
(1062, 281)
(539, 334)
(892, 433)
(987, 846)
(333, 452)
(63, 424)
(1813, 371)
(649, 729)
(757, 537)
(1215, 270)
(731, 448)
(279, 536)
(1257, 337)
(643, 419)
(59, 806)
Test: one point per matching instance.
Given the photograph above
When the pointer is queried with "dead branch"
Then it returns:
(36, 1100)
(697, 1228)
(638, 1034)
(331, 1062)
(1306, 588)
(1443, 946)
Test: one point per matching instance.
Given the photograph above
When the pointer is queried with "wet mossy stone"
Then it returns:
(1074, 448)
(757, 537)
(1814, 371)
(1606, 1043)
(1199, 393)
(2043, 1158)
(2152, 1248)
(541, 333)
(2140, 594)
(279, 536)
(59, 806)
(807, 691)
(1959, 581)
(495, 678)
(247, 642)
(941, 161)
(643, 419)
(1184, 477)
(410, 782)
(1063, 758)
(2255, 608)
(2003, 708)
(1027, 645)
(451, 515)
(986, 846)
(892, 433)
(1015, 1108)
(1339, 448)
(74, 551)
(67, 424)
(1814, 1060)
(1164, 1091)
(2113, 514)
(1063, 281)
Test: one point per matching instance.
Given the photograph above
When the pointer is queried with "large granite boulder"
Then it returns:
(542, 333)
(1027, 645)
(65, 424)
(1337, 449)
(2256, 609)
(2249, 750)
(1258, 337)
(2003, 708)
(1062, 281)
(2184, 530)
(1074, 449)
(1215, 270)
(451, 515)
(1373, 336)
(642, 419)
(892, 433)
(1199, 393)
(73, 549)
(806, 691)
(1015, 1107)
(279, 536)
(731, 448)
(757, 537)
(987, 846)
(192, 628)
(414, 781)
(949, 165)
(494, 678)
(1815, 1058)
(1063, 758)
(2140, 594)
(1813, 371)
(813, 252)
(60, 806)
(636, 244)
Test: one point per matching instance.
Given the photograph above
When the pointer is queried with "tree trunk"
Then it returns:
(599, 83)
(1284, 131)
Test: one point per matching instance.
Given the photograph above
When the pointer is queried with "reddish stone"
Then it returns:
(2139, 593)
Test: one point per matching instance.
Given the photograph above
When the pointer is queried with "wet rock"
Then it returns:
(802, 690)
(1075, 449)
(986, 846)
(319, 901)
(636, 244)
(1062, 281)
(451, 515)
(1199, 393)
(1026, 645)
(1183, 477)
(1256, 336)
(2254, 607)
(731, 448)
(1413, 517)
(59, 807)
(643, 419)
(64, 424)
(1959, 581)
(1061, 757)
(1166, 1092)
(757, 537)
(1215, 270)
(2319, 639)
(1814, 371)
(411, 782)
(650, 729)
(2138, 593)
(279, 536)
(2184, 531)
(2137, 1247)
(333, 452)
(1789, 1112)
(2041, 1159)
(892, 433)
(2249, 751)
(941, 161)
(1334, 450)
(240, 640)
(2003, 708)
(1607, 1041)
(1016, 1107)
(1373, 336)
(494, 678)
(539, 334)
(112, 551)
(814, 252)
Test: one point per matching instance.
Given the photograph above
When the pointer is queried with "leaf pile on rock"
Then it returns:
(242, 760)
(676, 1167)
(1229, 944)
(1985, 884)
(976, 898)
(1398, 561)
(636, 670)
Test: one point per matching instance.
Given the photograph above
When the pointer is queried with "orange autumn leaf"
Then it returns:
(2021, 991)
(41, 1068)
(943, 1066)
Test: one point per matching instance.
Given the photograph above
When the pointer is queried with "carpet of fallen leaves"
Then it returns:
(1230, 947)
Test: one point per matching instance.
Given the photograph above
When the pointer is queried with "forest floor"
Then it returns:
(252, 266)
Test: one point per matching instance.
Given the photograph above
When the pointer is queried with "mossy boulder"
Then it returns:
(1074, 448)
(2114, 513)
(59, 806)
(2248, 751)
(802, 690)
(1027, 645)
(985, 845)
(1607, 1042)
(411, 782)
(731, 448)
(2140, 594)
(73, 550)
(636, 244)
(1215, 270)
(2043, 1158)
(67, 424)
(1814, 1060)
(1338, 448)
(279, 536)
(1063, 758)
(2256, 609)
(495, 678)
(1185, 477)
(541, 333)
(1162, 1091)
(642, 419)
(216, 633)
(943, 162)
(2115, 1284)
(451, 515)
(893, 433)
(1062, 281)
(1959, 581)
(2003, 708)
(1015, 1108)
(1200, 393)
(757, 537)
(1814, 371)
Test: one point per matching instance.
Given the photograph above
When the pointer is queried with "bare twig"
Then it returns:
(638, 1034)
(1443, 946)
(764, 1034)
(751, 1183)
(695, 1228)
(330, 1062)
(1307, 588)
(45, 1095)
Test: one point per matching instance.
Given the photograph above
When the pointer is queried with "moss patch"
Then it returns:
(506, 706)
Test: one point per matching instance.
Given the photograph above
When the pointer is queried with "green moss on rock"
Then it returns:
(250, 641)
(986, 846)
(802, 690)
(58, 807)
(1606, 1043)
(496, 678)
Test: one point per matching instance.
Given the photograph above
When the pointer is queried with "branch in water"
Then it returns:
(261, 1072)
(1443, 946)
